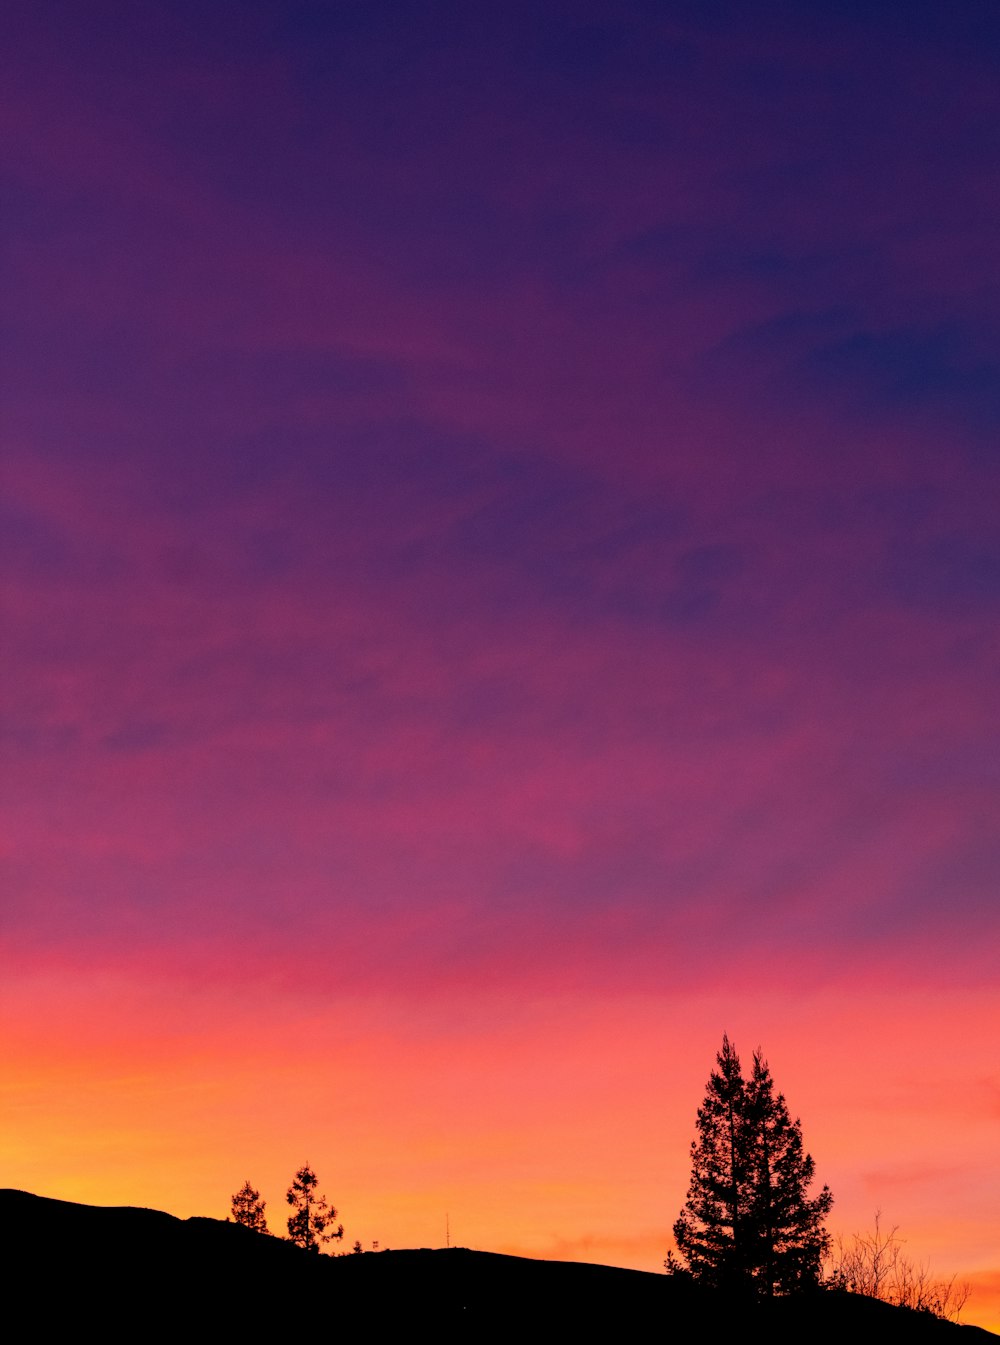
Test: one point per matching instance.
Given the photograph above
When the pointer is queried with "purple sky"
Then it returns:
(547, 459)
(503, 498)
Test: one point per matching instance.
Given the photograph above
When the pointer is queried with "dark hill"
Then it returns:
(128, 1274)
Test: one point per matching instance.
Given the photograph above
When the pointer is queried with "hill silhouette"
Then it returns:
(125, 1273)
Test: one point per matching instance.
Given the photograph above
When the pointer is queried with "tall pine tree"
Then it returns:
(748, 1224)
(710, 1231)
(786, 1223)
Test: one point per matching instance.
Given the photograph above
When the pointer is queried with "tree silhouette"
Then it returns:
(789, 1240)
(248, 1209)
(312, 1221)
(748, 1224)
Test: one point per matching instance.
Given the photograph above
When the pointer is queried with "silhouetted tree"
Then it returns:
(312, 1221)
(748, 1224)
(789, 1240)
(248, 1209)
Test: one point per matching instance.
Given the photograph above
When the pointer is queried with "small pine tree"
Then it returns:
(312, 1221)
(248, 1209)
(748, 1224)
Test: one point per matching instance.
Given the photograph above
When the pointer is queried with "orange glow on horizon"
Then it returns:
(495, 596)
(548, 1129)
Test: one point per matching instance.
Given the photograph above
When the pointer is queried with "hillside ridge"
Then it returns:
(104, 1266)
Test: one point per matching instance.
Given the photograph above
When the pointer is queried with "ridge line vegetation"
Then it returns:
(873, 1264)
(749, 1226)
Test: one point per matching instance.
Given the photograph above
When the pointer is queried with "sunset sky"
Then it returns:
(501, 586)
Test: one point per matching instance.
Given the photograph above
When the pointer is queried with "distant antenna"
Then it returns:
(447, 1230)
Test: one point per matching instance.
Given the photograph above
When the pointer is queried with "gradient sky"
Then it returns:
(501, 585)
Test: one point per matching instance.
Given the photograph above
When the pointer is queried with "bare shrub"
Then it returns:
(873, 1264)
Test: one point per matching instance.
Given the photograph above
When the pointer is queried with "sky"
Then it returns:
(501, 584)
